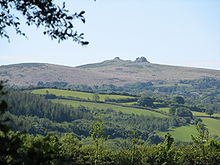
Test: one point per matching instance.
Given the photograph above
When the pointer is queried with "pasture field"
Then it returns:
(184, 133)
(213, 125)
(181, 133)
(118, 108)
(129, 103)
(166, 110)
(81, 95)
(204, 114)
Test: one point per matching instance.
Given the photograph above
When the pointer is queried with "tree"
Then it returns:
(145, 101)
(96, 97)
(56, 20)
(3, 107)
(209, 112)
(9, 142)
(98, 137)
(179, 100)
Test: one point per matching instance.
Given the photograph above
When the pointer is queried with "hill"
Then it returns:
(117, 72)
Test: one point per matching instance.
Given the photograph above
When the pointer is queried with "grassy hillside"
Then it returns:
(116, 72)
(184, 133)
(204, 114)
(89, 96)
(181, 133)
(212, 125)
(82, 95)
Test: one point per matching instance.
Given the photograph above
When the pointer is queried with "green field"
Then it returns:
(181, 133)
(81, 95)
(213, 125)
(184, 133)
(129, 103)
(117, 108)
(204, 114)
(166, 110)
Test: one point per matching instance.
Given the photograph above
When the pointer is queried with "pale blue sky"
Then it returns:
(173, 32)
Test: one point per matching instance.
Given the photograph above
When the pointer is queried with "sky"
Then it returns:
(171, 32)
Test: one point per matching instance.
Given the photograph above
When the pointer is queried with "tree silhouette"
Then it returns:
(56, 20)
(3, 107)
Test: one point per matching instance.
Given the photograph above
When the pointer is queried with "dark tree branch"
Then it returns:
(56, 20)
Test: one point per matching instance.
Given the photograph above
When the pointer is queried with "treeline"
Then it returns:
(201, 91)
(199, 84)
(26, 104)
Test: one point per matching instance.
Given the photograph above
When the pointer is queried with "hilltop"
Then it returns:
(117, 72)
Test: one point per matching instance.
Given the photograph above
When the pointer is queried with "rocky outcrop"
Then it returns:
(140, 60)
(117, 59)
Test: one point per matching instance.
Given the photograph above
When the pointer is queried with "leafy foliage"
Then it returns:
(145, 101)
(179, 100)
(56, 20)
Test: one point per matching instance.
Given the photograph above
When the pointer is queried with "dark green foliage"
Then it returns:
(98, 137)
(181, 111)
(179, 100)
(146, 101)
(50, 96)
(165, 154)
(126, 100)
(9, 142)
(25, 104)
(210, 112)
(66, 149)
(3, 106)
(57, 84)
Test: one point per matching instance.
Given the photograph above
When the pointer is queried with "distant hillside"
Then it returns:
(116, 71)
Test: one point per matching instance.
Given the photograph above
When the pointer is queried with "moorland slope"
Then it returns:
(117, 72)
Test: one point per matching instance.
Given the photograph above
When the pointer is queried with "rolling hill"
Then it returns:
(117, 72)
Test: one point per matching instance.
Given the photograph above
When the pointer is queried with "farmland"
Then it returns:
(78, 94)
(204, 114)
(182, 133)
(212, 125)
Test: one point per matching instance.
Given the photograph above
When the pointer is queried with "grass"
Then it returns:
(82, 95)
(166, 109)
(184, 133)
(181, 133)
(118, 108)
(212, 125)
(204, 114)
(129, 103)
